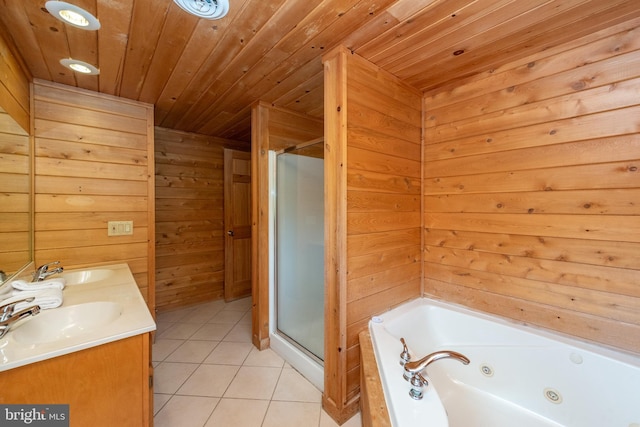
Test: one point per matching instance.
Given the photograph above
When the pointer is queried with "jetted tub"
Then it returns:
(518, 375)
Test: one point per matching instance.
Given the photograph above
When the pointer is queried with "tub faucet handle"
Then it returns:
(404, 356)
(418, 382)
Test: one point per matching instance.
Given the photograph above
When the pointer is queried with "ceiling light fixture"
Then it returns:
(80, 66)
(208, 9)
(72, 15)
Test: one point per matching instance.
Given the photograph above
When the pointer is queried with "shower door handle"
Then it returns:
(230, 233)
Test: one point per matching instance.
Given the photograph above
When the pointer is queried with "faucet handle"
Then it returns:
(45, 267)
(38, 274)
(5, 324)
(404, 356)
(418, 382)
(25, 312)
(6, 310)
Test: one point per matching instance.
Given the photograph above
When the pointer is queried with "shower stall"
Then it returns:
(297, 294)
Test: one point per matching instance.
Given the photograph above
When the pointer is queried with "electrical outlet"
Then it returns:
(119, 228)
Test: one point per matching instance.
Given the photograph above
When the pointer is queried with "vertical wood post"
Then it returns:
(335, 362)
(260, 225)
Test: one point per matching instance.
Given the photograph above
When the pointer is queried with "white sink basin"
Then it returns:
(66, 322)
(82, 277)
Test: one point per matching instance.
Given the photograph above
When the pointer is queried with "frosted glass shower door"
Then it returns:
(300, 250)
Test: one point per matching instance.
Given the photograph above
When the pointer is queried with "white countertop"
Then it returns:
(118, 287)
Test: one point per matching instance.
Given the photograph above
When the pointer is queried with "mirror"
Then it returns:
(15, 197)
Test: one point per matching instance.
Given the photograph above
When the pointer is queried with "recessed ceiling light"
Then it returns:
(72, 15)
(208, 9)
(79, 66)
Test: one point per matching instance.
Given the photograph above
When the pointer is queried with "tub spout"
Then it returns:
(413, 368)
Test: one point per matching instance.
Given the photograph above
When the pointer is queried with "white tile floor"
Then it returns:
(208, 374)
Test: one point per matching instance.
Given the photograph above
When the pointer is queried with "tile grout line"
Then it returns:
(222, 360)
(189, 338)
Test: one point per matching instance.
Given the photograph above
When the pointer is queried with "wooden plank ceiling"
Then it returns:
(202, 76)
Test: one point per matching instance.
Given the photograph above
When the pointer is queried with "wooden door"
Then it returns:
(237, 222)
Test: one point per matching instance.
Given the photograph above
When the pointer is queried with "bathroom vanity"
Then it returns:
(92, 353)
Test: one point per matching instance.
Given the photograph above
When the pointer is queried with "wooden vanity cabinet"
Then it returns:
(108, 385)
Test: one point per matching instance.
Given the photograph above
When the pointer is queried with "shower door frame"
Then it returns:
(303, 360)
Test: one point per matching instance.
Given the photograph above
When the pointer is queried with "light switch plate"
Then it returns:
(119, 228)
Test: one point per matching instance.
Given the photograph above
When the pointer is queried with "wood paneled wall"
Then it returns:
(14, 82)
(94, 164)
(15, 206)
(372, 211)
(532, 189)
(272, 128)
(15, 203)
(189, 218)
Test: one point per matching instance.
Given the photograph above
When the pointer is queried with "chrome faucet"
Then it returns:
(8, 315)
(43, 272)
(419, 365)
(7, 310)
(413, 370)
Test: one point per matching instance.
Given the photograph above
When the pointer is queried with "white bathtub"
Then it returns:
(518, 376)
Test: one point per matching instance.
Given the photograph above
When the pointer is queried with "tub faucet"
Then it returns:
(43, 272)
(418, 365)
(413, 370)
(8, 315)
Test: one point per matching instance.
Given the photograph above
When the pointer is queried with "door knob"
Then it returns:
(230, 233)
